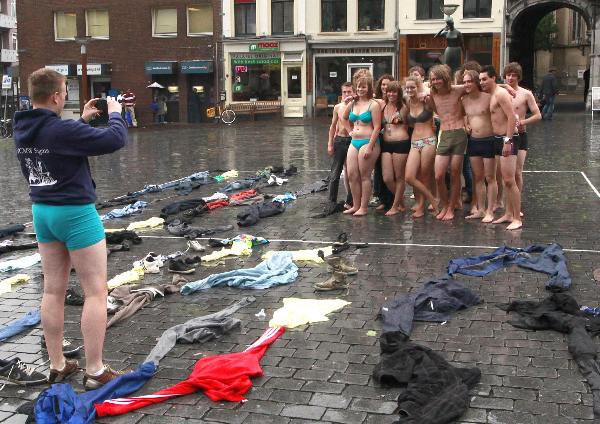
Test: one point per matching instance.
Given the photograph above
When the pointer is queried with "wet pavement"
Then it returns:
(322, 372)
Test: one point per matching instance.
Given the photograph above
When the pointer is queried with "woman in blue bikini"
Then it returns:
(363, 121)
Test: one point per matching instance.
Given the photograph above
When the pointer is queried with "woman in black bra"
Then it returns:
(421, 158)
(395, 145)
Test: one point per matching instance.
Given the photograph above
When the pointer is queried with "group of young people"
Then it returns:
(419, 131)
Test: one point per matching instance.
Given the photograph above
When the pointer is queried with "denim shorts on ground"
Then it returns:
(77, 226)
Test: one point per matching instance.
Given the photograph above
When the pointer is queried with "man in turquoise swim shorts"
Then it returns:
(53, 155)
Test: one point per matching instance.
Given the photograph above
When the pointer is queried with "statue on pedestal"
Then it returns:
(456, 46)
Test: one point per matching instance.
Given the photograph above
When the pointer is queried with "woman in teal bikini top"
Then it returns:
(365, 118)
(364, 128)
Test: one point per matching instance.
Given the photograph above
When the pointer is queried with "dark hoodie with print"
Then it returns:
(53, 154)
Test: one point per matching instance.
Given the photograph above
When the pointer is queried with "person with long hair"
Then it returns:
(363, 120)
(382, 196)
(395, 145)
(421, 157)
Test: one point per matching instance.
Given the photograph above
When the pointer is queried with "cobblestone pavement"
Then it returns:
(322, 372)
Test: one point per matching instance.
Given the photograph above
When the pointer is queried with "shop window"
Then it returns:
(245, 17)
(425, 58)
(96, 23)
(164, 22)
(333, 15)
(477, 9)
(371, 15)
(282, 16)
(479, 48)
(200, 19)
(255, 81)
(430, 9)
(65, 26)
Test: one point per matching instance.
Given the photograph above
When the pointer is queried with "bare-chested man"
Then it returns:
(523, 101)
(337, 146)
(503, 124)
(452, 144)
(481, 145)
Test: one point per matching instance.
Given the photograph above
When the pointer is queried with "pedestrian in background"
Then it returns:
(549, 92)
(129, 103)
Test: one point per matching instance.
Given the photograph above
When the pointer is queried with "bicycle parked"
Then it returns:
(221, 112)
(6, 130)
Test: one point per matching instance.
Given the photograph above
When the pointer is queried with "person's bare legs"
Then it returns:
(399, 161)
(521, 156)
(479, 188)
(56, 266)
(498, 203)
(387, 170)
(353, 179)
(441, 165)
(428, 154)
(365, 167)
(90, 266)
(346, 183)
(489, 168)
(416, 163)
(456, 163)
(513, 197)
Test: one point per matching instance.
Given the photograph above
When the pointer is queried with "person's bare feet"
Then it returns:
(360, 212)
(475, 215)
(350, 211)
(441, 214)
(419, 213)
(449, 215)
(393, 211)
(504, 218)
(347, 206)
(414, 207)
(488, 218)
(380, 207)
(515, 225)
(498, 205)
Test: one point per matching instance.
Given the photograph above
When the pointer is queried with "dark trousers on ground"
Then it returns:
(379, 188)
(340, 150)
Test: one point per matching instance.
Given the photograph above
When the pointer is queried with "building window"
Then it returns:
(245, 17)
(371, 15)
(477, 9)
(65, 26)
(333, 15)
(282, 16)
(96, 23)
(253, 80)
(164, 22)
(200, 19)
(430, 9)
(478, 48)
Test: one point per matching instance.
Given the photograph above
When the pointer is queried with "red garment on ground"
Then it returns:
(220, 377)
(217, 204)
(242, 195)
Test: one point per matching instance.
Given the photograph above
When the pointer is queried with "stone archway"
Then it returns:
(522, 17)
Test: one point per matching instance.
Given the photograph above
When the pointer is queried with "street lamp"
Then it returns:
(83, 41)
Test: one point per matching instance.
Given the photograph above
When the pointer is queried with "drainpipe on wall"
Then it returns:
(505, 18)
(397, 32)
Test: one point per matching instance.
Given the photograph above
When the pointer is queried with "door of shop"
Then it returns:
(353, 67)
(293, 104)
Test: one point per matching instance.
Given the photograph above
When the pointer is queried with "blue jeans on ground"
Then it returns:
(548, 109)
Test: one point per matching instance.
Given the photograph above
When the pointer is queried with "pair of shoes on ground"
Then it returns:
(151, 263)
(90, 381)
(16, 371)
(340, 270)
(186, 265)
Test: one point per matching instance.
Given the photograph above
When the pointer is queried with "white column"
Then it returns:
(594, 61)
(300, 18)
(263, 17)
(227, 18)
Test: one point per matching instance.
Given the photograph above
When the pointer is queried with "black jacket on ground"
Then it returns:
(436, 392)
(560, 312)
(251, 215)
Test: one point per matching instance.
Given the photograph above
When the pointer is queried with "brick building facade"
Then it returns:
(133, 43)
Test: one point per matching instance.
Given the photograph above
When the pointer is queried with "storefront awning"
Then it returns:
(196, 67)
(72, 69)
(160, 67)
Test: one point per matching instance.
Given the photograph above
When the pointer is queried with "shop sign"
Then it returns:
(332, 74)
(196, 67)
(163, 68)
(264, 46)
(92, 69)
(61, 69)
(256, 61)
(6, 82)
(241, 69)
